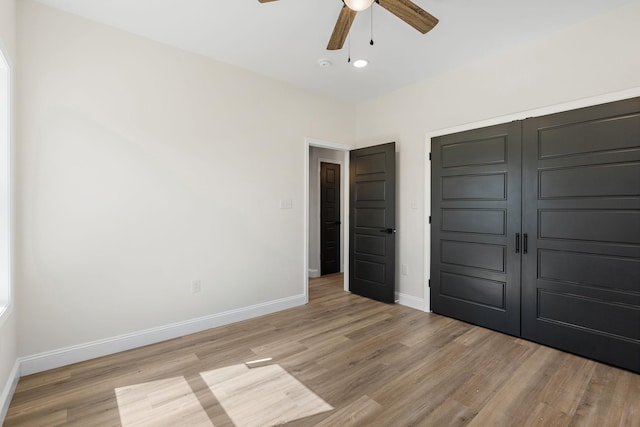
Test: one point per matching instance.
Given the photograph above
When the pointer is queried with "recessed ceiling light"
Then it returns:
(360, 63)
(324, 63)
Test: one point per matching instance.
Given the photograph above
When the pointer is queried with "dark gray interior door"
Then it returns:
(475, 230)
(581, 207)
(372, 222)
(329, 218)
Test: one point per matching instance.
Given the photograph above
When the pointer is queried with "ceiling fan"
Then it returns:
(406, 10)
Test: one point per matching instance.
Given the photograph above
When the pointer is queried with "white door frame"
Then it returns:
(312, 142)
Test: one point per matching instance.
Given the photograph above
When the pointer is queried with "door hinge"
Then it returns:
(429, 219)
(429, 156)
(429, 283)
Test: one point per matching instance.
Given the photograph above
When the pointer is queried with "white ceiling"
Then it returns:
(285, 39)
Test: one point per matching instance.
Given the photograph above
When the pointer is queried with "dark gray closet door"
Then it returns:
(476, 214)
(581, 217)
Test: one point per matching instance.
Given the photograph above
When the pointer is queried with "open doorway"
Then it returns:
(318, 152)
(326, 210)
(369, 199)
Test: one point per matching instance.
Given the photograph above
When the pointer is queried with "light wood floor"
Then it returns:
(375, 364)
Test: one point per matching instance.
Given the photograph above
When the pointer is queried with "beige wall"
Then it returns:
(8, 337)
(8, 28)
(591, 59)
(142, 168)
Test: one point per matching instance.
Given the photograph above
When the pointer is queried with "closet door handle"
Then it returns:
(517, 242)
(525, 243)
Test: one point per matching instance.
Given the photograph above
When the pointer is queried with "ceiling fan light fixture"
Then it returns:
(360, 63)
(358, 5)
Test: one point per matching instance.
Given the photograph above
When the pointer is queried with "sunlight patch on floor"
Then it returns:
(168, 402)
(263, 396)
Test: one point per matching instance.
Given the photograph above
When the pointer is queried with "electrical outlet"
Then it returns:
(404, 270)
(195, 287)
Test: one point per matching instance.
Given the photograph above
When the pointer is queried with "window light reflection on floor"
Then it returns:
(164, 402)
(262, 396)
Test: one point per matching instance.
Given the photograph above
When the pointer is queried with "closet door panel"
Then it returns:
(581, 214)
(475, 217)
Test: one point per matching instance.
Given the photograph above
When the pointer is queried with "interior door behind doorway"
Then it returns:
(329, 218)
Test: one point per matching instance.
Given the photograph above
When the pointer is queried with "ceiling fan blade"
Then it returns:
(265, 1)
(341, 30)
(410, 13)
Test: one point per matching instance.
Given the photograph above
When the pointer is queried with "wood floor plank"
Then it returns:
(360, 412)
(515, 396)
(611, 399)
(375, 364)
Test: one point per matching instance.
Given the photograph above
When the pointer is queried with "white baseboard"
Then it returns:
(313, 273)
(79, 353)
(8, 389)
(409, 301)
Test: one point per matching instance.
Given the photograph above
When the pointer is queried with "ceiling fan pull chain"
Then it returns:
(348, 49)
(371, 42)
